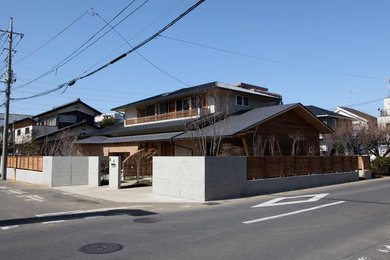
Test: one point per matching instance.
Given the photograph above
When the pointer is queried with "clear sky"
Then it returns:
(326, 53)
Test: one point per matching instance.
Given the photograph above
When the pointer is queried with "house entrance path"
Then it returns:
(128, 195)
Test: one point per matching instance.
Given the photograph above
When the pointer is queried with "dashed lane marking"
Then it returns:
(92, 217)
(31, 198)
(292, 213)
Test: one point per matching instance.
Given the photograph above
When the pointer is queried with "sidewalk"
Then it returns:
(127, 195)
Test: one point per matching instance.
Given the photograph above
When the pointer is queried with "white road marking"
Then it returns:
(9, 227)
(292, 213)
(383, 250)
(276, 202)
(78, 212)
(15, 192)
(3, 187)
(53, 222)
(31, 198)
(92, 217)
(186, 206)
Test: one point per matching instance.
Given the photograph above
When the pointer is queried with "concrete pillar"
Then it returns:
(114, 172)
(94, 171)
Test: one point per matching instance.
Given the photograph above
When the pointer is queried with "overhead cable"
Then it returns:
(142, 56)
(270, 60)
(69, 57)
(73, 81)
(51, 39)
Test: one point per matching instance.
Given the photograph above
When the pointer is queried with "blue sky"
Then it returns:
(326, 53)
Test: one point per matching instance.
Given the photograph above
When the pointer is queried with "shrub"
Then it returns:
(381, 166)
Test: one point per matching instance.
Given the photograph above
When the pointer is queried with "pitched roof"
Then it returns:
(66, 105)
(359, 114)
(320, 112)
(237, 124)
(155, 127)
(199, 88)
(84, 122)
(129, 139)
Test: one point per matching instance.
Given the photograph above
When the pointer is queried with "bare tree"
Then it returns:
(375, 136)
(208, 129)
(273, 146)
(63, 144)
(297, 139)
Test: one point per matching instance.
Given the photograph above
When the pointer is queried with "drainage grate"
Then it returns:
(147, 220)
(101, 248)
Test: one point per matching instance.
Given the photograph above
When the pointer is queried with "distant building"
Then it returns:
(12, 118)
(358, 117)
(118, 116)
(384, 118)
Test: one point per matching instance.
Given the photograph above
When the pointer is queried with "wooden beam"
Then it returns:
(245, 146)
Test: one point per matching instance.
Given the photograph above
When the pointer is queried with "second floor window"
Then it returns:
(67, 119)
(242, 101)
(19, 132)
(26, 130)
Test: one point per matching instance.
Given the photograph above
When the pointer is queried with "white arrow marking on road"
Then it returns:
(276, 202)
(292, 213)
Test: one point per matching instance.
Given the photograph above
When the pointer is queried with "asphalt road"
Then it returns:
(347, 221)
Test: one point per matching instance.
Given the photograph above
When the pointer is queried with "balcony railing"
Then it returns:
(172, 115)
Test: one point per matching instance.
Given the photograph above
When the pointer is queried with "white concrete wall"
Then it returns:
(179, 176)
(61, 171)
(210, 178)
(34, 177)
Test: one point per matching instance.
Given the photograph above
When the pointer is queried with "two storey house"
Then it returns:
(173, 123)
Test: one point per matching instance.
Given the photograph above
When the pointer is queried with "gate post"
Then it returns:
(94, 171)
(114, 172)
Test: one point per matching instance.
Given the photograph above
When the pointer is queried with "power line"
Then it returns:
(142, 30)
(51, 39)
(142, 56)
(270, 60)
(69, 57)
(73, 81)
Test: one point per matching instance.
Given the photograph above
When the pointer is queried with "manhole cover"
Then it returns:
(101, 248)
(147, 220)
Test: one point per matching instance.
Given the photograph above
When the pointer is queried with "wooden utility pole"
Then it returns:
(8, 81)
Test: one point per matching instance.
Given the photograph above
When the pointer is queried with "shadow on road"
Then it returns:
(117, 212)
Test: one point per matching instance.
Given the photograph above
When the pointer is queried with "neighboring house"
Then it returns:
(234, 111)
(330, 118)
(11, 119)
(359, 118)
(76, 118)
(384, 118)
(71, 119)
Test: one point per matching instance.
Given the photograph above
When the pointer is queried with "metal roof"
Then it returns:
(154, 127)
(240, 123)
(196, 89)
(129, 139)
(359, 114)
(320, 112)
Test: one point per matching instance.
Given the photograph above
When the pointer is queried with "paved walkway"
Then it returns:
(127, 195)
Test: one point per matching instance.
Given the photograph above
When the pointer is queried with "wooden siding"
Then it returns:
(282, 166)
(290, 123)
(34, 163)
(172, 115)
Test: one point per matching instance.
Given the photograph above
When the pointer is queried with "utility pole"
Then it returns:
(8, 81)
